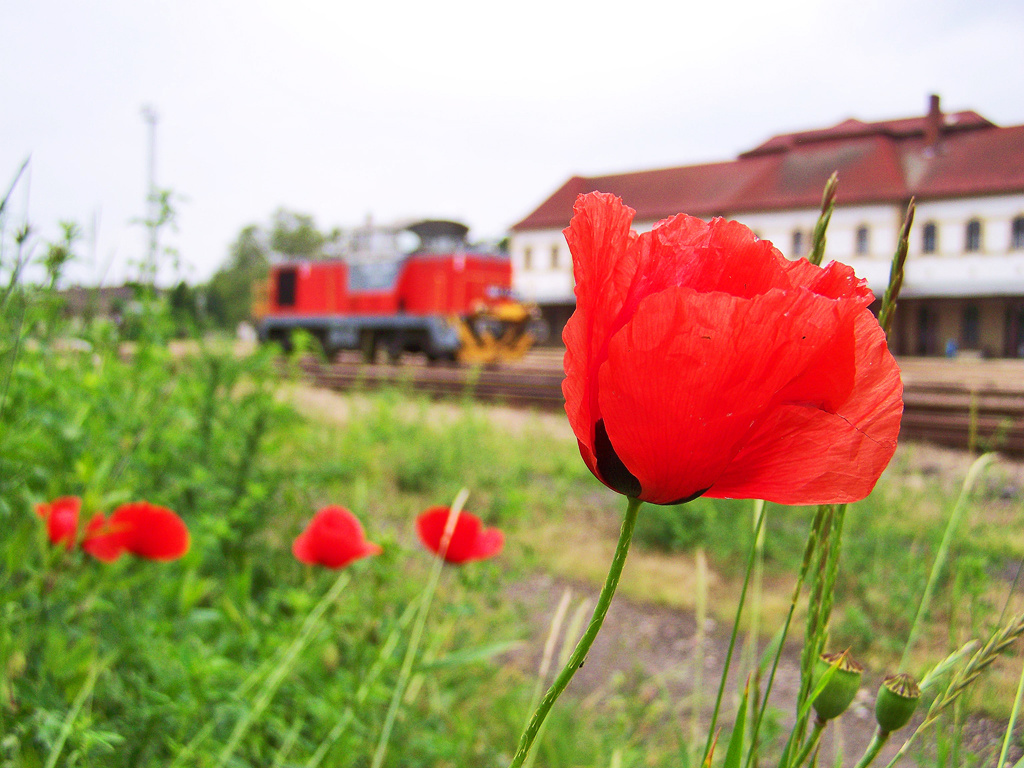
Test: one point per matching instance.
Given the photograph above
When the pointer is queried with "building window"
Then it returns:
(798, 243)
(863, 241)
(554, 257)
(930, 238)
(972, 241)
(1017, 237)
(969, 327)
(527, 258)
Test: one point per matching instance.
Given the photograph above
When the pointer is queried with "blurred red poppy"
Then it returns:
(140, 528)
(333, 538)
(470, 540)
(701, 361)
(61, 518)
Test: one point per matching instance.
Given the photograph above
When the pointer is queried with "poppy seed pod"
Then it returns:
(842, 686)
(896, 702)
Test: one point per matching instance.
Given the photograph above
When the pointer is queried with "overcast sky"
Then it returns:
(471, 110)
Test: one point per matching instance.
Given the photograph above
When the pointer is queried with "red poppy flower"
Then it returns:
(141, 528)
(470, 540)
(333, 538)
(61, 518)
(700, 361)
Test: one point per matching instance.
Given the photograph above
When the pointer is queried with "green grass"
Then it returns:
(130, 664)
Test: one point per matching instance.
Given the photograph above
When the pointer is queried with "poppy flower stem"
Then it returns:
(579, 655)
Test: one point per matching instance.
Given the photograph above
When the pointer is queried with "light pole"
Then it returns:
(152, 213)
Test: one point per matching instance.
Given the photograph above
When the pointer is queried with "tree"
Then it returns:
(295, 234)
(231, 289)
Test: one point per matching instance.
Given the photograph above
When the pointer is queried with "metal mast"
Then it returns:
(152, 202)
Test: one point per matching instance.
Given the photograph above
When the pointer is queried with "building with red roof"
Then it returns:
(964, 285)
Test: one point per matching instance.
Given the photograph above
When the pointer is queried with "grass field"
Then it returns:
(233, 655)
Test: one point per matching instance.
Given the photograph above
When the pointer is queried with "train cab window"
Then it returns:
(286, 282)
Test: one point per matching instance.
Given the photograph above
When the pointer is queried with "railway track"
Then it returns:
(977, 405)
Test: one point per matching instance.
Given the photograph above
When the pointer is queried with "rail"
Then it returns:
(979, 415)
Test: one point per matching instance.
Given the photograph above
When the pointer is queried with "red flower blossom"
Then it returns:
(141, 528)
(61, 518)
(470, 540)
(333, 538)
(700, 361)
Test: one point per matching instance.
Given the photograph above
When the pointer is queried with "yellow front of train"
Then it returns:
(498, 333)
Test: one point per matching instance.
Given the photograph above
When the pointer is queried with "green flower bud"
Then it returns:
(842, 686)
(896, 702)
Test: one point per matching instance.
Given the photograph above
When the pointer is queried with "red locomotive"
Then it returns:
(443, 299)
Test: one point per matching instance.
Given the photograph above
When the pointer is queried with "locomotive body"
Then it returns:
(443, 300)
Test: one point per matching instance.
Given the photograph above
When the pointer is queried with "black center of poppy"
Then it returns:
(685, 499)
(612, 470)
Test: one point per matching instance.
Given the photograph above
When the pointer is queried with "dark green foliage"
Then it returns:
(295, 234)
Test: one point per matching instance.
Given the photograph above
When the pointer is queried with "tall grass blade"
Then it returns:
(76, 707)
(828, 205)
(708, 747)
(899, 260)
(386, 651)
(734, 751)
(275, 678)
(1014, 713)
(700, 644)
(572, 636)
(417, 631)
(548, 654)
(975, 470)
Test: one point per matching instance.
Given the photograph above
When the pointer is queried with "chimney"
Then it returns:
(933, 124)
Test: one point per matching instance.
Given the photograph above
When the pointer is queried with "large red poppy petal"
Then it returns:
(691, 374)
(604, 264)
(153, 532)
(804, 455)
(836, 280)
(720, 255)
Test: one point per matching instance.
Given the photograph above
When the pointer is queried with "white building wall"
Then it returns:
(996, 269)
